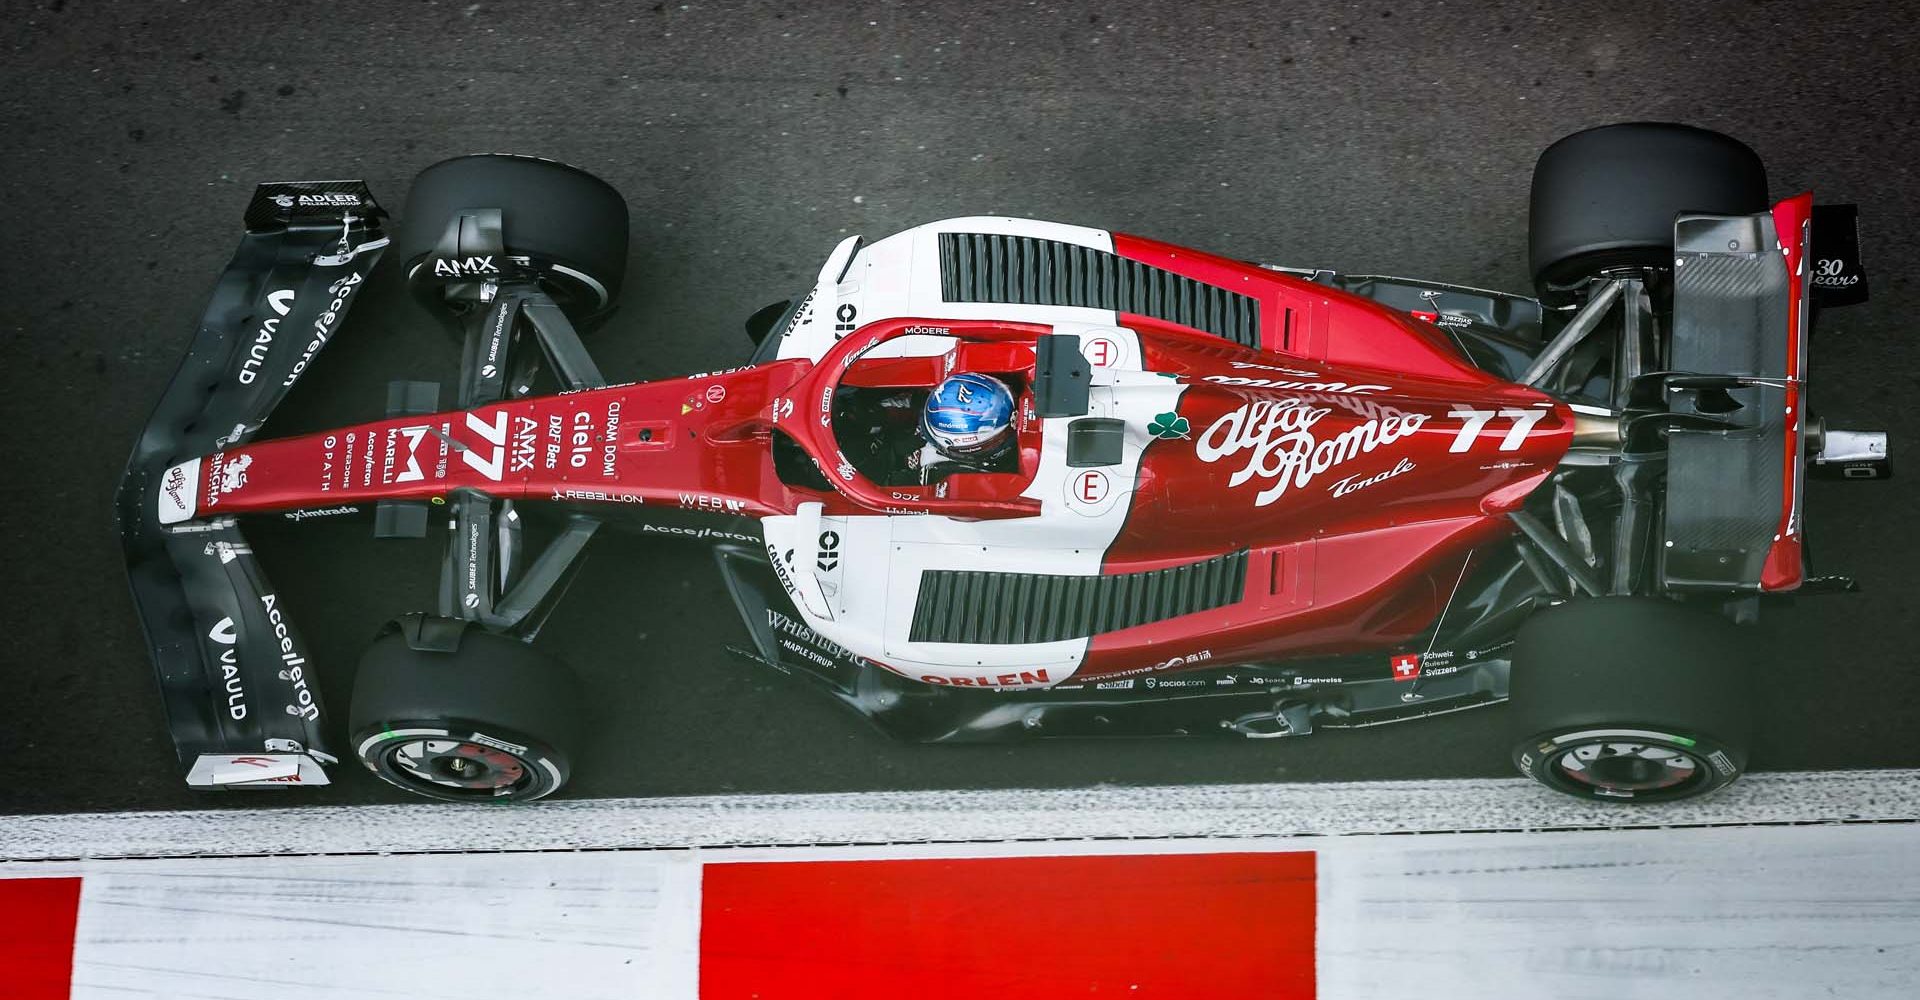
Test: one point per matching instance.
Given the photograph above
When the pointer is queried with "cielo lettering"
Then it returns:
(1284, 448)
(281, 302)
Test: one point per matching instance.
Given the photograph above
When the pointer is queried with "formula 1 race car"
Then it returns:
(1235, 498)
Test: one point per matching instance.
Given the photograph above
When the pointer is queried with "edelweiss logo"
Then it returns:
(233, 474)
(1284, 447)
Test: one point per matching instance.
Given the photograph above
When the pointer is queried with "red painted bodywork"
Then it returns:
(1785, 567)
(1333, 566)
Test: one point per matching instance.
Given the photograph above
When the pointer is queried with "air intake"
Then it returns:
(1016, 608)
(991, 267)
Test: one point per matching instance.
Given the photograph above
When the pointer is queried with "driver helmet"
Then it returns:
(968, 415)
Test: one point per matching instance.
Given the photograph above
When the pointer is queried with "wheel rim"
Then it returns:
(1627, 768)
(459, 767)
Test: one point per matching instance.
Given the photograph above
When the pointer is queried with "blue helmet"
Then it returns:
(968, 414)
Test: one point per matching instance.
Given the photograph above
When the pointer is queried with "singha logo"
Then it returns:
(233, 475)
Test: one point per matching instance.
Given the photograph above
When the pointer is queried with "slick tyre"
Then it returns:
(1626, 699)
(1606, 198)
(492, 721)
(572, 224)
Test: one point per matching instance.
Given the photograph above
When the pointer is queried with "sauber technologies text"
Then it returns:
(1234, 499)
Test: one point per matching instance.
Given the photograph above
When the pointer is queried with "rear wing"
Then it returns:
(1741, 305)
(240, 696)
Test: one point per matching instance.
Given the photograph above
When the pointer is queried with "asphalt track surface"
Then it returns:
(749, 137)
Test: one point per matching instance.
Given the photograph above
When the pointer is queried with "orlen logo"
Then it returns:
(1024, 678)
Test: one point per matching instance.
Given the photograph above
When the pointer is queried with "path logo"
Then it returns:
(1406, 666)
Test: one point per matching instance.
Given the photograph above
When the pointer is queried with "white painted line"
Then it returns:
(476, 927)
(1197, 811)
(1741, 913)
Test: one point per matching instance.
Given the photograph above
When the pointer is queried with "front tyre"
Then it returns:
(491, 721)
(570, 224)
(1625, 699)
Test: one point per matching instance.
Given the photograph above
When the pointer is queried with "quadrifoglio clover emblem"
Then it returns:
(1168, 425)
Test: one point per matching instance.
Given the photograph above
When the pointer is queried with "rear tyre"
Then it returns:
(491, 721)
(1628, 699)
(1606, 198)
(571, 223)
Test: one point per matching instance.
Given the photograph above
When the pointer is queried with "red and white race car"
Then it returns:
(1242, 499)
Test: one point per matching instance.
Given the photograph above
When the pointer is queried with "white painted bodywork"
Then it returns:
(866, 602)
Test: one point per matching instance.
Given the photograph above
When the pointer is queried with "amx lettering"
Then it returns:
(463, 267)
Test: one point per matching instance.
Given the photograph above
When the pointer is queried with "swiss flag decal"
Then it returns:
(1406, 666)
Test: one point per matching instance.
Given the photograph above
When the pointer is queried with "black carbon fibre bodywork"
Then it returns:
(232, 666)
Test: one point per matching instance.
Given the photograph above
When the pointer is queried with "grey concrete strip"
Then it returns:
(1282, 810)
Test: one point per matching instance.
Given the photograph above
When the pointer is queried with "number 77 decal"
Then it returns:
(1474, 421)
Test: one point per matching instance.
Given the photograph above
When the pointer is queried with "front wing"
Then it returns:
(240, 696)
